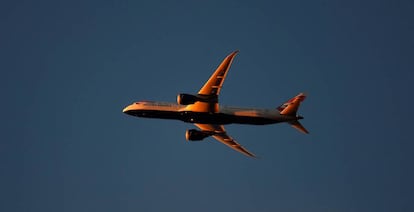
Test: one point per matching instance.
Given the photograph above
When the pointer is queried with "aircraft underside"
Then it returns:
(205, 118)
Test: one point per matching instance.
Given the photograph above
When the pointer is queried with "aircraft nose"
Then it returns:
(126, 109)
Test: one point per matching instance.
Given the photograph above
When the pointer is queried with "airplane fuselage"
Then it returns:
(224, 115)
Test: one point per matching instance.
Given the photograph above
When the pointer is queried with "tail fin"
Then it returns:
(290, 108)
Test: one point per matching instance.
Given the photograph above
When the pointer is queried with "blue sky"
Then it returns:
(69, 67)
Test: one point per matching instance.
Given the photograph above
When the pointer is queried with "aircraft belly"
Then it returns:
(222, 118)
(156, 114)
(202, 117)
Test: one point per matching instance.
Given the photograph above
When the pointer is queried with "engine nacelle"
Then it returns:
(186, 99)
(195, 135)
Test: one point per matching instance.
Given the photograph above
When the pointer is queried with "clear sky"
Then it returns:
(68, 68)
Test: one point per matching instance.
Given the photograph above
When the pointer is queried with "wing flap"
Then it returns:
(219, 133)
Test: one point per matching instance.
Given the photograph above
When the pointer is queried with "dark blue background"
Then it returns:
(69, 67)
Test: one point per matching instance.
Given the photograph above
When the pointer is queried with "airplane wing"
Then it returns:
(221, 135)
(214, 84)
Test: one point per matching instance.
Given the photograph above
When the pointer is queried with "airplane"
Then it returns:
(205, 112)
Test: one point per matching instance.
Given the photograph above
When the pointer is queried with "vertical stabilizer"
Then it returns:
(291, 107)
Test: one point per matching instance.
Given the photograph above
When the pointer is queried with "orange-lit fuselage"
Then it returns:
(225, 115)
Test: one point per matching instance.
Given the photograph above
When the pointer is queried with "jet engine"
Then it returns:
(195, 135)
(186, 99)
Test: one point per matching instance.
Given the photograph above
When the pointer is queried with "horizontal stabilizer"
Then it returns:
(297, 125)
